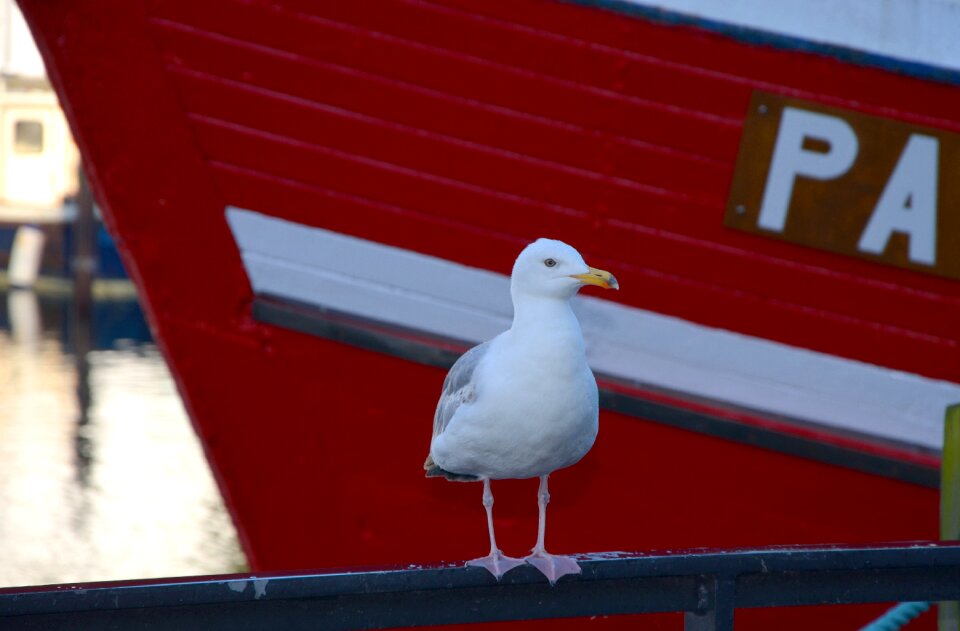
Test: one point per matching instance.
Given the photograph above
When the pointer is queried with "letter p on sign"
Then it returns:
(791, 159)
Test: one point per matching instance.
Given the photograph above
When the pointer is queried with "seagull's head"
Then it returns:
(552, 268)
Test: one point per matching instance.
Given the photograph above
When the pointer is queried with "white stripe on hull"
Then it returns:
(919, 31)
(413, 290)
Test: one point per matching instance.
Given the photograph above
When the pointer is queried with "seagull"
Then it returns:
(524, 403)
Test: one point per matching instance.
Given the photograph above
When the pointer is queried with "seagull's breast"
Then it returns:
(536, 409)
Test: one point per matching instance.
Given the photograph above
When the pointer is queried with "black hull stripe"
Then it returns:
(439, 352)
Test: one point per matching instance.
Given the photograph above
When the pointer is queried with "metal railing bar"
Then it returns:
(707, 583)
(847, 587)
(715, 607)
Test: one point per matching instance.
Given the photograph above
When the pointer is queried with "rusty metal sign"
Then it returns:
(861, 185)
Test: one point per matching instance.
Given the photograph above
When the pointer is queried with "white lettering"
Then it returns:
(790, 159)
(908, 203)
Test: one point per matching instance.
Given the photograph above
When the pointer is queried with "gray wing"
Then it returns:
(458, 387)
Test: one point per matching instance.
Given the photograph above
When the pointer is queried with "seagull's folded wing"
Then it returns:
(458, 388)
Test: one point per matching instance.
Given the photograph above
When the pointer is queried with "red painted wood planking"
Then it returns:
(439, 112)
(692, 254)
(495, 84)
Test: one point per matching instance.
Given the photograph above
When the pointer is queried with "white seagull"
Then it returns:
(523, 404)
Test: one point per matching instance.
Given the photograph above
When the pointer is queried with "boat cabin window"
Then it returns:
(28, 136)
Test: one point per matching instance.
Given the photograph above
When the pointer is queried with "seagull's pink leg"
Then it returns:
(495, 562)
(553, 567)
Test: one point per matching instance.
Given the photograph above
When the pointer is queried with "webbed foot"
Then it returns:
(496, 563)
(553, 566)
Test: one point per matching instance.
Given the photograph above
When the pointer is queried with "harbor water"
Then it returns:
(101, 474)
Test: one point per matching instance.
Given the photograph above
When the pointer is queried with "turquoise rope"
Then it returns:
(897, 617)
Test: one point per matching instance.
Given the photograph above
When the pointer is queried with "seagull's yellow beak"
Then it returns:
(597, 277)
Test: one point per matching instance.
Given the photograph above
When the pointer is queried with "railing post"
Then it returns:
(715, 605)
(948, 613)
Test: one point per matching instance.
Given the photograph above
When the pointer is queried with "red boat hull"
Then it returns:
(305, 112)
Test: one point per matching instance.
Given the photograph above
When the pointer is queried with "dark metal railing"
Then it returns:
(706, 584)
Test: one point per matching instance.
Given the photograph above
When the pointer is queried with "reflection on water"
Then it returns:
(101, 475)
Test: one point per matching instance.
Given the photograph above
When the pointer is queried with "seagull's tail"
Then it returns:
(434, 471)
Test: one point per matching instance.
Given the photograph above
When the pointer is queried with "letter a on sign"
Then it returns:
(792, 159)
(908, 203)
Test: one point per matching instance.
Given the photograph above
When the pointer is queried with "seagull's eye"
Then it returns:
(550, 263)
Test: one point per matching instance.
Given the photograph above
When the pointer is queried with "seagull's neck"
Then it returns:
(544, 314)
